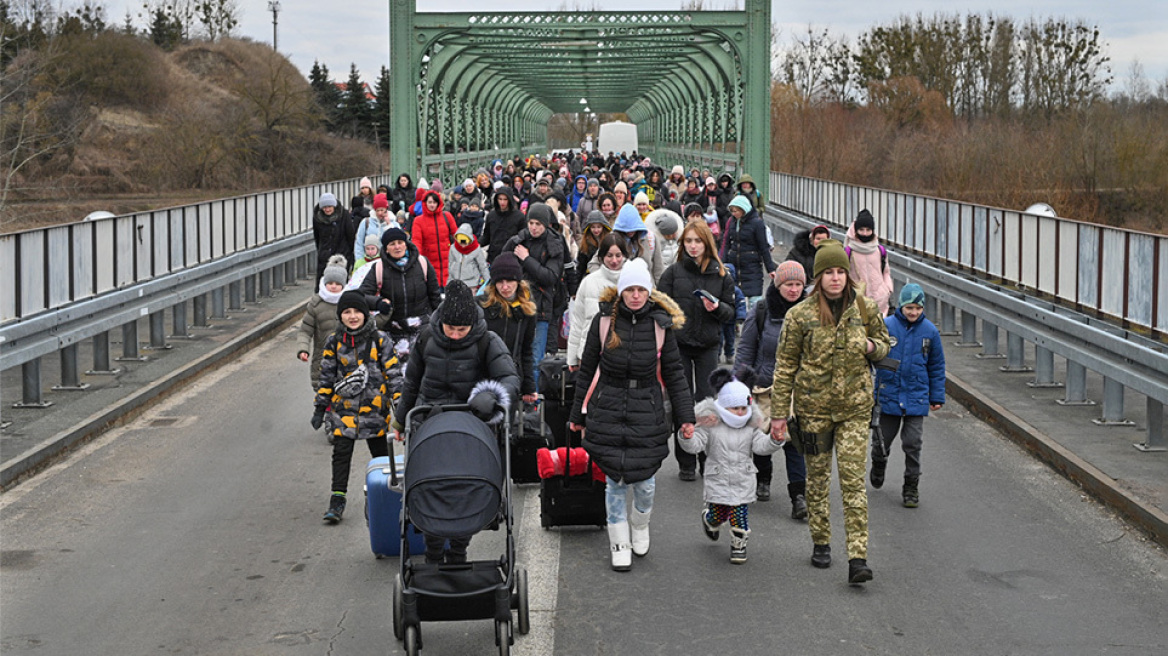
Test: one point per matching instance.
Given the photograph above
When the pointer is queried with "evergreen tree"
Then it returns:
(381, 116)
(326, 93)
(166, 30)
(356, 114)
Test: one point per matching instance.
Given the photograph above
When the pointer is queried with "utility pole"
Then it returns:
(274, 7)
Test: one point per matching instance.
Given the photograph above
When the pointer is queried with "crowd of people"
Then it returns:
(647, 281)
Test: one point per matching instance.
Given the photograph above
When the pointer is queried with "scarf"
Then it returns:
(469, 248)
(730, 419)
(402, 261)
(327, 296)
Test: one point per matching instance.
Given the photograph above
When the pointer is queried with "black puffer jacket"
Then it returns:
(702, 329)
(543, 268)
(501, 226)
(401, 198)
(744, 244)
(411, 292)
(517, 332)
(803, 252)
(447, 370)
(759, 343)
(627, 432)
(333, 235)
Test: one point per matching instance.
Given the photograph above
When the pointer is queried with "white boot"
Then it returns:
(738, 538)
(639, 525)
(622, 552)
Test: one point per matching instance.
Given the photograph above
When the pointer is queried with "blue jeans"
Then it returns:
(538, 348)
(616, 498)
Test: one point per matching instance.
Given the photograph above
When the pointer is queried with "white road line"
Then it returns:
(538, 550)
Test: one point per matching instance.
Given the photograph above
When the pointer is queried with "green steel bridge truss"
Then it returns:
(468, 88)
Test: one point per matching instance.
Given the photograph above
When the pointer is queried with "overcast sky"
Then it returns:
(341, 33)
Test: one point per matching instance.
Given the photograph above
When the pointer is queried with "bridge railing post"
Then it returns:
(158, 331)
(989, 342)
(218, 306)
(30, 380)
(1112, 405)
(968, 331)
(1044, 368)
(948, 319)
(199, 304)
(178, 316)
(1015, 355)
(70, 372)
(1156, 440)
(130, 351)
(101, 356)
(1076, 385)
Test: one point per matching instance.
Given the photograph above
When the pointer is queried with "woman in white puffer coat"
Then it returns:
(611, 254)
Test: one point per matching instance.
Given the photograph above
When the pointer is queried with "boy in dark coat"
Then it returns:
(541, 254)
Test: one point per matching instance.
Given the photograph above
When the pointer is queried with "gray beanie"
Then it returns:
(327, 200)
(335, 271)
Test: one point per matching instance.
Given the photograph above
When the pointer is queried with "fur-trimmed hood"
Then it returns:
(502, 398)
(705, 410)
(667, 312)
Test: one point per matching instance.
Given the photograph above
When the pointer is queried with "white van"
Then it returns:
(617, 137)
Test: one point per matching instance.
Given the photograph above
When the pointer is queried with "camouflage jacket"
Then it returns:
(825, 367)
(366, 415)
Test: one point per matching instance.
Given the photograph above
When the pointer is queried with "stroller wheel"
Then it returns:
(413, 641)
(503, 637)
(397, 607)
(524, 624)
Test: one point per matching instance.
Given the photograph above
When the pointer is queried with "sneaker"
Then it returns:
(764, 492)
(738, 538)
(712, 532)
(799, 507)
(336, 509)
(738, 555)
(821, 556)
(910, 497)
(858, 571)
(687, 475)
(877, 474)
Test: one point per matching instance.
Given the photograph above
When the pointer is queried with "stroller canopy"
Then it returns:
(454, 476)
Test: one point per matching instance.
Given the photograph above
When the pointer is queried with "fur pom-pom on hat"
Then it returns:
(335, 270)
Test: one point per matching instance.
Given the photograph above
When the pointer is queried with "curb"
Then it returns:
(1150, 518)
(34, 459)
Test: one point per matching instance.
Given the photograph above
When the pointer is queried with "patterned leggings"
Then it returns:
(717, 514)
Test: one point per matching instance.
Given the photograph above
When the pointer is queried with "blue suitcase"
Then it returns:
(383, 505)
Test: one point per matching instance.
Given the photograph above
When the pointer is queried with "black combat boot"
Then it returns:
(336, 509)
(877, 474)
(764, 490)
(911, 497)
(798, 494)
(858, 571)
(821, 556)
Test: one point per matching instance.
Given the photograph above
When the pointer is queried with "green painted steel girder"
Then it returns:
(477, 85)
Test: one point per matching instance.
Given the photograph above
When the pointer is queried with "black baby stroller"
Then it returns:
(457, 483)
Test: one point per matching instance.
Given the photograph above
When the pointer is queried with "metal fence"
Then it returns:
(49, 268)
(1118, 273)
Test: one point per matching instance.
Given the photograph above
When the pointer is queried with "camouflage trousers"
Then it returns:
(851, 452)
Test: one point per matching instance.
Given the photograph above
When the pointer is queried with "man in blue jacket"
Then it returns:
(907, 395)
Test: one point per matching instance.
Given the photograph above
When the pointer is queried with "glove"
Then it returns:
(317, 419)
(483, 405)
(384, 306)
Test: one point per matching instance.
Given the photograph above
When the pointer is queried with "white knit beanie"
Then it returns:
(635, 273)
(734, 395)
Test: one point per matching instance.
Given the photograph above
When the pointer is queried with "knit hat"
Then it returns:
(335, 270)
(912, 294)
(327, 200)
(353, 299)
(790, 270)
(693, 208)
(506, 267)
(593, 181)
(365, 182)
(621, 186)
(497, 184)
(640, 198)
(666, 222)
(422, 184)
(742, 203)
(393, 234)
(830, 254)
(372, 240)
(818, 229)
(677, 170)
(734, 395)
(635, 273)
(380, 201)
(459, 307)
(541, 212)
(865, 220)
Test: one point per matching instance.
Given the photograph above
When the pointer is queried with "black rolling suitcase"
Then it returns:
(558, 388)
(530, 436)
(572, 500)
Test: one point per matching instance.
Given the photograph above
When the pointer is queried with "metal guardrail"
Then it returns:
(49, 268)
(1118, 273)
(1124, 358)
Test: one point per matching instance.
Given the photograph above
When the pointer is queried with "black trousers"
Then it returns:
(698, 364)
(343, 458)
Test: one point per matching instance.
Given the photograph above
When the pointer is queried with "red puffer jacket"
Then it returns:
(432, 233)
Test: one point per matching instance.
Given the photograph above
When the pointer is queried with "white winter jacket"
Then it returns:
(730, 470)
(585, 306)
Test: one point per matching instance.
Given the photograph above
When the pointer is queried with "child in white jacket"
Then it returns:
(730, 429)
(468, 260)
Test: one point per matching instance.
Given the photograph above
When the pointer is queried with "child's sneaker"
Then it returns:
(738, 538)
(711, 532)
(336, 509)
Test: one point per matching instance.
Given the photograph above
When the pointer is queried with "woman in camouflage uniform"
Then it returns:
(825, 350)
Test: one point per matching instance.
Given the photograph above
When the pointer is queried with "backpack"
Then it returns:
(883, 256)
(422, 262)
(605, 325)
